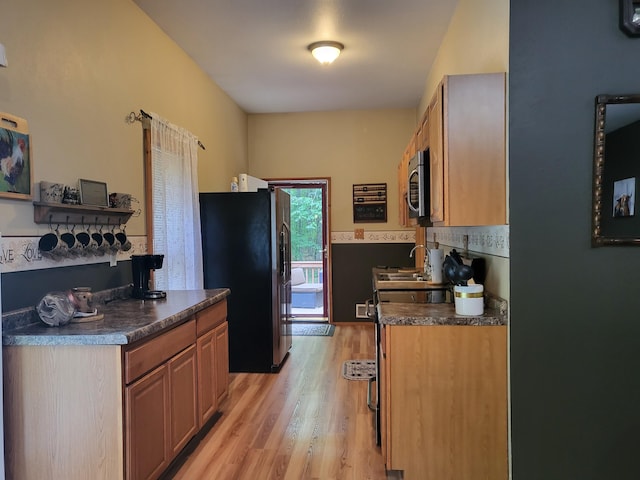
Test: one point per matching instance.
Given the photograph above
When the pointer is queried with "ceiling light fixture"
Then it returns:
(326, 51)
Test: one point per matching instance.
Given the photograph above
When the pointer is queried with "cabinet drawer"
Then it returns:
(210, 317)
(143, 358)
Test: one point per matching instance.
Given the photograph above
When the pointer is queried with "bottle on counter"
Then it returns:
(234, 184)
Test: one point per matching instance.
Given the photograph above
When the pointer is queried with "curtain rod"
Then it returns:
(138, 118)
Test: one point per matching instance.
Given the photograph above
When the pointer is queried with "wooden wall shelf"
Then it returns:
(62, 213)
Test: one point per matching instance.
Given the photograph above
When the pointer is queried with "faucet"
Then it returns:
(414, 249)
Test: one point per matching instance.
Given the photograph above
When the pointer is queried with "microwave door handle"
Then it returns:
(411, 207)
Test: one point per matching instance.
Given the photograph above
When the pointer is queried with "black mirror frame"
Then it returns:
(598, 239)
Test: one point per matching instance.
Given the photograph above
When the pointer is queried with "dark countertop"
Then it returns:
(416, 313)
(126, 320)
(436, 314)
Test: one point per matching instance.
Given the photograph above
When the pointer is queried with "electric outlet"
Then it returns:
(358, 233)
(361, 310)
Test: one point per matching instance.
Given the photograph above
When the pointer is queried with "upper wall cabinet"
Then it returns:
(403, 171)
(468, 150)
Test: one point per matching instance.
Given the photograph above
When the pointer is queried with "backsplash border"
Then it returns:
(490, 240)
(19, 254)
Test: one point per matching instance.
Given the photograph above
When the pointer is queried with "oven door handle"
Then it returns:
(367, 308)
(370, 404)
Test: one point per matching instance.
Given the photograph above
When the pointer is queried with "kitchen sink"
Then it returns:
(404, 281)
(390, 276)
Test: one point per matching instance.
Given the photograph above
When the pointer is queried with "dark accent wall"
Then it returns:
(575, 310)
(351, 270)
(25, 289)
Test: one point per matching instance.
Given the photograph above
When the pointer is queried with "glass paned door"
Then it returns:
(309, 255)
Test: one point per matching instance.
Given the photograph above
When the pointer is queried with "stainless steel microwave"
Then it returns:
(418, 194)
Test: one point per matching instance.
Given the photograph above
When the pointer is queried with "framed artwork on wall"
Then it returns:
(16, 172)
(369, 203)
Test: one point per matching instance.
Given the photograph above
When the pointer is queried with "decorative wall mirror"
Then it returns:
(616, 171)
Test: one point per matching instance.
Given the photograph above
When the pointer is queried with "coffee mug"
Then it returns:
(91, 245)
(51, 192)
(83, 238)
(74, 247)
(125, 244)
(111, 241)
(52, 246)
(103, 245)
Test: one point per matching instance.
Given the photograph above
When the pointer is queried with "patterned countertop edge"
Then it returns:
(126, 321)
(433, 314)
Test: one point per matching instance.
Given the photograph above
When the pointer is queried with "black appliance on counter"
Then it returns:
(141, 266)
(246, 248)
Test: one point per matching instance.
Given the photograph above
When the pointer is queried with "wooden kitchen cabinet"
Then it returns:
(119, 411)
(160, 407)
(467, 143)
(183, 399)
(213, 359)
(222, 361)
(422, 133)
(403, 172)
(147, 427)
(160, 413)
(443, 402)
(436, 161)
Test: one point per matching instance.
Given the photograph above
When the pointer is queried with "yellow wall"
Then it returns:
(477, 41)
(76, 69)
(348, 146)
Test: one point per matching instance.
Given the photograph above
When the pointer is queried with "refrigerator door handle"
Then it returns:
(282, 253)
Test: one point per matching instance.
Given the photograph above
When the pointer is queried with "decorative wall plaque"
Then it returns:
(370, 203)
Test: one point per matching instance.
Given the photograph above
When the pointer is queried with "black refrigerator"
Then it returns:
(246, 247)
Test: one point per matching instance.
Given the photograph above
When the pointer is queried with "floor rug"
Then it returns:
(309, 329)
(359, 369)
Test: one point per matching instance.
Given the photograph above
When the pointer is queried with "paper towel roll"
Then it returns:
(436, 261)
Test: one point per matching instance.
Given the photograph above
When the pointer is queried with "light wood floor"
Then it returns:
(306, 422)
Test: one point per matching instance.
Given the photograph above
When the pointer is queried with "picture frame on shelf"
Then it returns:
(16, 170)
(93, 193)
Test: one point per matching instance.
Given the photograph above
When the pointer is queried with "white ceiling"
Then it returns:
(256, 50)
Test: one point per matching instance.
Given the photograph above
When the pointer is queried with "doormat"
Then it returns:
(359, 369)
(306, 329)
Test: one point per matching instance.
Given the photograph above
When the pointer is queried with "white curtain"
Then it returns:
(176, 209)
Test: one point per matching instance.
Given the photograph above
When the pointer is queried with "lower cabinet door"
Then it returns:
(183, 403)
(207, 398)
(147, 425)
(222, 361)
